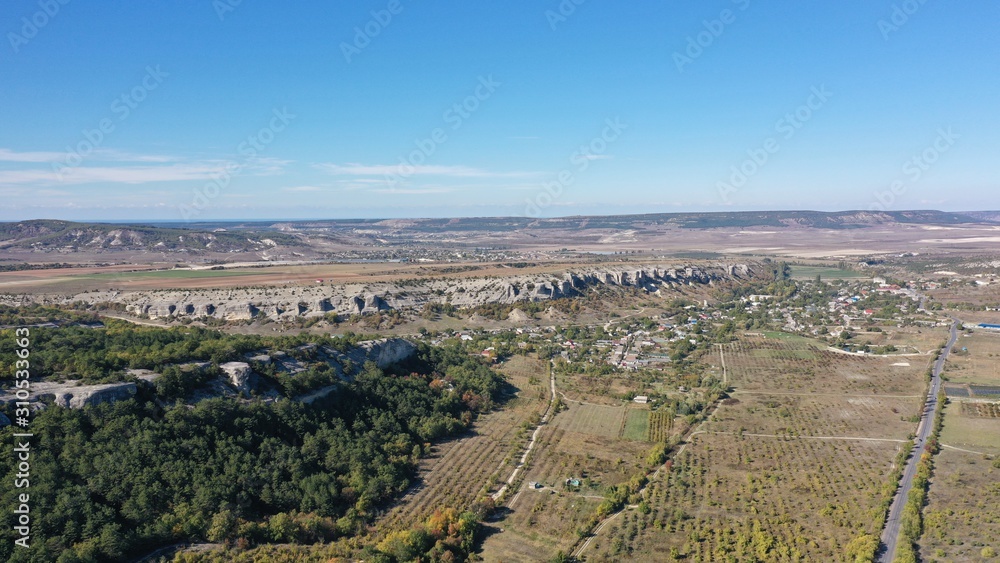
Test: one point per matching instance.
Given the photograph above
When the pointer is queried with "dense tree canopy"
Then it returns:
(117, 480)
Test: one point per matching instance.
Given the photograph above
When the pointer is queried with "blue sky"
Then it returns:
(393, 108)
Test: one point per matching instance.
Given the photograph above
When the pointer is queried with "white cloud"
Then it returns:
(407, 170)
(7, 155)
(112, 175)
(136, 169)
(302, 189)
(109, 155)
(413, 191)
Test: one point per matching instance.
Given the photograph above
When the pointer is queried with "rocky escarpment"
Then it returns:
(242, 377)
(74, 396)
(277, 303)
(384, 352)
(238, 378)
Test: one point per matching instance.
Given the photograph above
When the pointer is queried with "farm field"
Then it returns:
(69, 280)
(907, 340)
(980, 364)
(728, 498)
(457, 471)
(962, 517)
(799, 365)
(967, 428)
(826, 272)
(585, 442)
(598, 390)
(795, 466)
(824, 415)
(587, 418)
(636, 425)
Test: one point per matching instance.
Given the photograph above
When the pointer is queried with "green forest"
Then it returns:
(115, 481)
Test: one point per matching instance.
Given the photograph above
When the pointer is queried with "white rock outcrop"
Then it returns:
(72, 396)
(288, 302)
(241, 376)
(383, 352)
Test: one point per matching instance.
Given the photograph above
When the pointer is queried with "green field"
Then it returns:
(826, 273)
(793, 339)
(785, 354)
(636, 426)
(974, 433)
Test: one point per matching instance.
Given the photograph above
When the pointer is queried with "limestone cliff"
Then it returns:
(276, 303)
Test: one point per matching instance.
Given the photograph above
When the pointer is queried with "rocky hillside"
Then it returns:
(70, 237)
(336, 235)
(239, 378)
(305, 301)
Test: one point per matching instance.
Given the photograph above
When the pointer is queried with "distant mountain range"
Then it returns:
(740, 219)
(70, 236)
(256, 236)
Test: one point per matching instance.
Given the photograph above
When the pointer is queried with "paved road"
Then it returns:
(890, 534)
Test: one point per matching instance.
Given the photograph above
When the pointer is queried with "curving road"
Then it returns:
(890, 534)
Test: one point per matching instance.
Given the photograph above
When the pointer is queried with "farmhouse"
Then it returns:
(641, 399)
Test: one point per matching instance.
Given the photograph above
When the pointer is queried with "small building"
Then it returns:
(641, 399)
